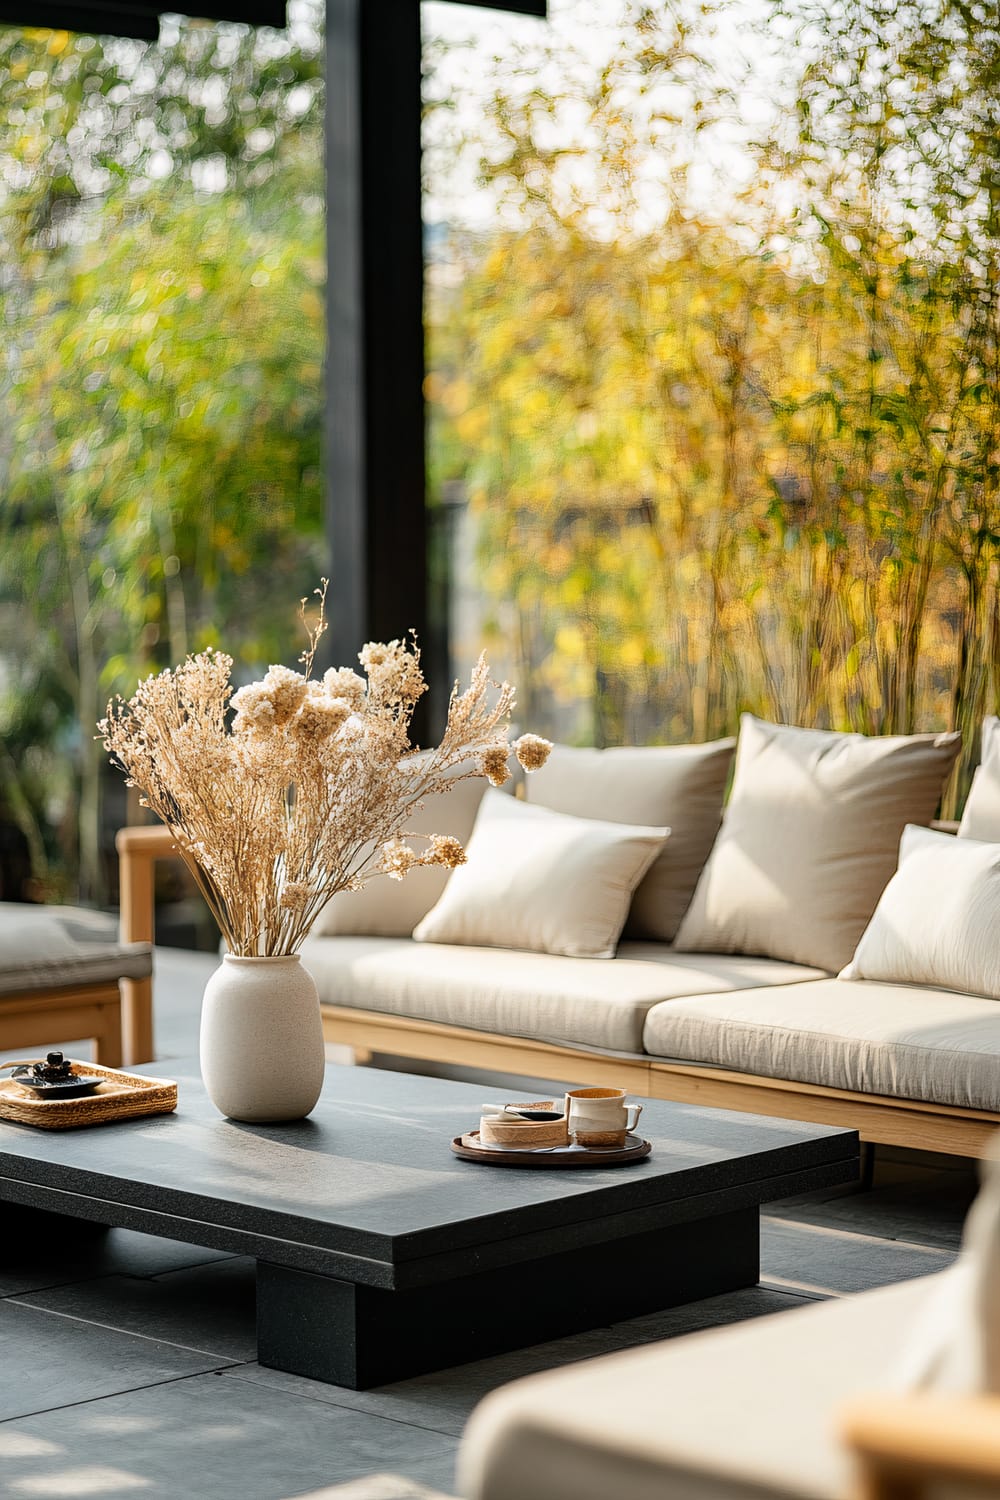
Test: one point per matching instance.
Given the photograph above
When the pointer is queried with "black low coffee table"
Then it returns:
(381, 1255)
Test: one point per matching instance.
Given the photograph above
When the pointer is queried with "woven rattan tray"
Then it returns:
(122, 1096)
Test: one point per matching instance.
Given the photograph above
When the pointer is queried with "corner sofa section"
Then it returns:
(748, 1412)
(891, 1393)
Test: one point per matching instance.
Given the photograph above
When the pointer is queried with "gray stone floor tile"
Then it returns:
(117, 1252)
(824, 1259)
(210, 1439)
(375, 1487)
(910, 1202)
(442, 1400)
(53, 1361)
(900, 1215)
(210, 1308)
(712, 1312)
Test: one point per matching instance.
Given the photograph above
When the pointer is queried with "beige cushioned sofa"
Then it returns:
(808, 842)
(737, 1413)
(801, 1405)
(724, 987)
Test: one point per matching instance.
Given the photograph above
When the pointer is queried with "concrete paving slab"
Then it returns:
(821, 1258)
(51, 1361)
(116, 1252)
(712, 1312)
(211, 1308)
(210, 1439)
(442, 1400)
(908, 1202)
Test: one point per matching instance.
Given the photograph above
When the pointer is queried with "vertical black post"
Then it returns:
(375, 460)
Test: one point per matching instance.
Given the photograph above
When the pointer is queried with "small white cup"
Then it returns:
(600, 1116)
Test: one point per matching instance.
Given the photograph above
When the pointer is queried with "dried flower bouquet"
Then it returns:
(305, 790)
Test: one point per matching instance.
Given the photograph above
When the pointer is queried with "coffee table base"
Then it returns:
(360, 1336)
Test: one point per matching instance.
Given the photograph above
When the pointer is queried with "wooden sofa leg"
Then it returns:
(137, 1020)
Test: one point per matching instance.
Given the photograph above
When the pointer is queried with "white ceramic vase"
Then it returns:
(262, 1055)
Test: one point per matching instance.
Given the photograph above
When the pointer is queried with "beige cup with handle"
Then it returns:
(600, 1116)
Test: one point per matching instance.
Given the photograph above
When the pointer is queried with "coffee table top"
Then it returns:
(367, 1188)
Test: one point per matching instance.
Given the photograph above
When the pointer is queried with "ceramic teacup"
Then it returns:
(600, 1116)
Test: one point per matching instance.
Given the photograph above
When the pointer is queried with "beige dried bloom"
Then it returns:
(319, 718)
(395, 680)
(286, 690)
(532, 751)
(341, 682)
(295, 896)
(445, 850)
(397, 858)
(289, 790)
(495, 767)
(375, 654)
(254, 710)
(442, 849)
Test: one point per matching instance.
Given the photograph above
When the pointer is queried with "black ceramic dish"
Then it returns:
(54, 1078)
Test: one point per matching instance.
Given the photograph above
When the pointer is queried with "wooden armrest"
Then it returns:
(153, 839)
(138, 848)
(902, 1442)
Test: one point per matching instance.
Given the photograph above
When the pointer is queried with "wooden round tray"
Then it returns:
(468, 1148)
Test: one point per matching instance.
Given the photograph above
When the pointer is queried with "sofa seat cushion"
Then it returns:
(580, 1002)
(905, 1041)
(738, 1412)
(62, 947)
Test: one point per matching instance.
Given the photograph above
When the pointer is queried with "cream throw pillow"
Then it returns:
(938, 919)
(810, 838)
(680, 787)
(981, 817)
(392, 908)
(542, 881)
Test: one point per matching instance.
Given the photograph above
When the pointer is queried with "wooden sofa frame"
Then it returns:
(91, 1011)
(878, 1119)
(907, 1445)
